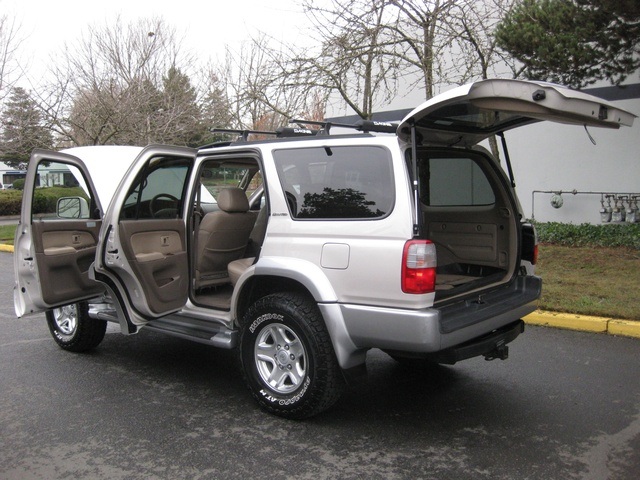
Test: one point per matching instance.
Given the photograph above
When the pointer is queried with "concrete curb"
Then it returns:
(570, 321)
(584, 323)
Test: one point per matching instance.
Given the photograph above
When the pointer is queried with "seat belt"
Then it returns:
(197, 217)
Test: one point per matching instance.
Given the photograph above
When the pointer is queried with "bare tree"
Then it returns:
(10, 41)
(420, 40)
(370, 47)
(367, 48)
(472, 25)
(126, 84)
(264, 93)
(216, 105)
(349, 58)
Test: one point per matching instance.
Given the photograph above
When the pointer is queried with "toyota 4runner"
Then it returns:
(305, 250)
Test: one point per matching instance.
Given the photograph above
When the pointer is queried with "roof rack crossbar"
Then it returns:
(243, 135)
(281, 132)
(360, 125)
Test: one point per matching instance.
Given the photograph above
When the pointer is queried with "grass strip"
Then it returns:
(600, 281)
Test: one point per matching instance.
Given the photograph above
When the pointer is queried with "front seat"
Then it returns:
(222, 237)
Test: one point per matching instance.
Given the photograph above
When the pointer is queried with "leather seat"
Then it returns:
(222, 237)
(238, 267)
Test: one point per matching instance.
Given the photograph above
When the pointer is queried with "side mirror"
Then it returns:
(72, 207)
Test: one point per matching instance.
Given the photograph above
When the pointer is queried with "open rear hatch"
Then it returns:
(464, 116)
(466, 205)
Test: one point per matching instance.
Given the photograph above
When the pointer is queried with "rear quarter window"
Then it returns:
(353, 182)
(454, 181)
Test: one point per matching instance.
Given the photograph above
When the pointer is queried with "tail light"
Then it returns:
(419, 267)
(529, 244)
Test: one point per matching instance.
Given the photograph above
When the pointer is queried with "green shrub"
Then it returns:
(10, 202)
(585, 234)
(18, 184)
(44, 199)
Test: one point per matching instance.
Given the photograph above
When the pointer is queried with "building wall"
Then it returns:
(548, 156)
(8, 174)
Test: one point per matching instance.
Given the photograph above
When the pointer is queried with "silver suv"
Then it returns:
(305, 250)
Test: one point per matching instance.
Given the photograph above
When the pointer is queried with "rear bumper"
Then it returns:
(492, 345)
(461, 327)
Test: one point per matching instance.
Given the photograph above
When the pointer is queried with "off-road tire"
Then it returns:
(287, 357)
(73, 329)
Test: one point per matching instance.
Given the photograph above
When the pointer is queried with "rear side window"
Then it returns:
(158, 191)
(336, 182)
(455, 181)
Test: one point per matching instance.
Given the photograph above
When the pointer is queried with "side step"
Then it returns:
(196, 330)
(193, 329)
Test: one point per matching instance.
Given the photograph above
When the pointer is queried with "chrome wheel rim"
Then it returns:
(66, 319)
(280, 358)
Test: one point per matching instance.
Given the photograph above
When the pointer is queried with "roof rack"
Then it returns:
(282, 132)
(360, 125)
(301, 131)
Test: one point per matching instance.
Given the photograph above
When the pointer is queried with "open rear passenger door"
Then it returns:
(55, 243)
(143, 256)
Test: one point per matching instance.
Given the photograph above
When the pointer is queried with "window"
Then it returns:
(336, 182)
(158, 191)
(455, 181)
(62, 192)
(216, 176)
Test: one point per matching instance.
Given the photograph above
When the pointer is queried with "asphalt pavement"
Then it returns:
(564, 405)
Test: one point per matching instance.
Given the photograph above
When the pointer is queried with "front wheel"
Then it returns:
(287, 357)
(73, 329)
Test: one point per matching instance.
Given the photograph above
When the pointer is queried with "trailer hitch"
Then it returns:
(500, 351)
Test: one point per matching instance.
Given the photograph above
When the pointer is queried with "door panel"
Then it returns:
(64, 252)
(156, 252)
(56, 240)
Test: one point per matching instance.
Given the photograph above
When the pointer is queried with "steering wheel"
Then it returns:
(165, 212)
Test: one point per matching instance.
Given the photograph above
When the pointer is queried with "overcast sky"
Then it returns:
(207, 26)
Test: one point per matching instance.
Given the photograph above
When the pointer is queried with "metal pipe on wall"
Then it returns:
(608, 214)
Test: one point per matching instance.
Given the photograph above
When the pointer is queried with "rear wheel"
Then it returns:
(73, 329)
(287, 357)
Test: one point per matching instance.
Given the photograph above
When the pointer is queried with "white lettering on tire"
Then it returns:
(263, 318)
(287, 401)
